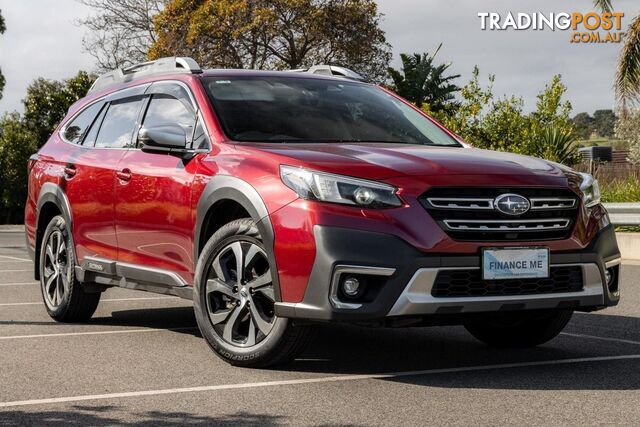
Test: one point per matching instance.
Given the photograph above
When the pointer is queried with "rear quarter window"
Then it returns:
(77, 128)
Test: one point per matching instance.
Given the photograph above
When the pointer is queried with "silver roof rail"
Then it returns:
(332, 70)
(171, 64)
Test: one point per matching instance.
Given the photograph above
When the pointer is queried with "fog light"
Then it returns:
(351, 286)
(608, 276)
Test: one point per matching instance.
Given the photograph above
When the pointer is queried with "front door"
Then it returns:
(154, 224)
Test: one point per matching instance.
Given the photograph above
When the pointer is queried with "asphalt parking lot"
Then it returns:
(141, 361)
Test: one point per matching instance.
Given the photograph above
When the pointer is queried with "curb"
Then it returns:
(629, 244)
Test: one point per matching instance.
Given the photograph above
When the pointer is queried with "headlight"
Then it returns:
(328, 187)
(590, 190)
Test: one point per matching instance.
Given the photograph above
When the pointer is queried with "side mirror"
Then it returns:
(162, 138)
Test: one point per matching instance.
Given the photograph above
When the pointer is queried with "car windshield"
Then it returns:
(295, 109)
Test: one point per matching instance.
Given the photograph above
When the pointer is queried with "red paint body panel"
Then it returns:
(151, 219)
(90, 192)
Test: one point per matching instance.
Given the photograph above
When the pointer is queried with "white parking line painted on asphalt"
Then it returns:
(10, 304)
(14, 258)
(593, 337)
(73, 334)
(338, 378)
(9, 262)
(15, 271)
(19, 284)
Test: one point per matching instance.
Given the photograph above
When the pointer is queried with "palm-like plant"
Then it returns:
(557, 145)
(423, 82)
(627, 81)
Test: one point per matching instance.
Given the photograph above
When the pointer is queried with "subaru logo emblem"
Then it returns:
(512, 204)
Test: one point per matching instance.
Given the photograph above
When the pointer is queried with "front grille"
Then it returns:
(470, 214)
(469, 283)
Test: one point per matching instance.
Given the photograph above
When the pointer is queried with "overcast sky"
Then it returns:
(42, 41)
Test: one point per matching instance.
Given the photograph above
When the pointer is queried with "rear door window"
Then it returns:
(75, 131)
(119, 124)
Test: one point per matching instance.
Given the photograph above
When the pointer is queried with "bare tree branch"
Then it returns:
(120, 32)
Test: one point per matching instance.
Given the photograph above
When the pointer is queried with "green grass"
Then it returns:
(621, 191)
(617, 144)
(627, 228)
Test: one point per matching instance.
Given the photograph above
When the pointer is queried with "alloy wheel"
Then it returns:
(239, 294)
(56, 271)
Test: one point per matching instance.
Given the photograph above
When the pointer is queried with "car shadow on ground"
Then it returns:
(158, 318)
(80, 415)
(347, 349)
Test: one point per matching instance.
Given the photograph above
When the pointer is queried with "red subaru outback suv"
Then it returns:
(276, 200)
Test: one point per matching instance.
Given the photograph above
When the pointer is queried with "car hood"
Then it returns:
(383, 161)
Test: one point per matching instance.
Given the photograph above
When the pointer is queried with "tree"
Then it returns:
(274, 34)
(17, 143)
(467, 119)
(422, 82)
(582, 125)
(503, 125)
(506, 127)
(48, 101)
(121, 31)
(551, 110)
(604, 122)
(627, 79)
(3, 28)
(628, 129)
(46, 104)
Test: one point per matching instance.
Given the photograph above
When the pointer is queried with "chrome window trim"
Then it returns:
(63, 128)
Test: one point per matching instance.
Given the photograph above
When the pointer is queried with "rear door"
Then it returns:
(89, 173)
(154, 224)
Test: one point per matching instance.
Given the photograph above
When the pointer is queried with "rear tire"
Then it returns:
(519, 329)
(64, 296)
(235, 312)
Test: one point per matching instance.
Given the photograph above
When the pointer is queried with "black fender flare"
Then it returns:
(52, 193)
(226, 187)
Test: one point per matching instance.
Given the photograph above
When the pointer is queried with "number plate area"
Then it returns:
(515, 263)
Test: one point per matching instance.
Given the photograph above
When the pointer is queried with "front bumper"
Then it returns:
(408, 276)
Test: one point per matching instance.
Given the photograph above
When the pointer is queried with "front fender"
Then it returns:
(226, 187)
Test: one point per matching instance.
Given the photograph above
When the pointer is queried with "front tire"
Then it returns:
(519, 329)
(64, 296)
(234, 300)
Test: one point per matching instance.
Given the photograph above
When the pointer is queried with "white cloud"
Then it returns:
(523, 61)
(42, 41)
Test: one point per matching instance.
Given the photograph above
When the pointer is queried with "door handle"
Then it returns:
(124, 175)
(70, 171)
